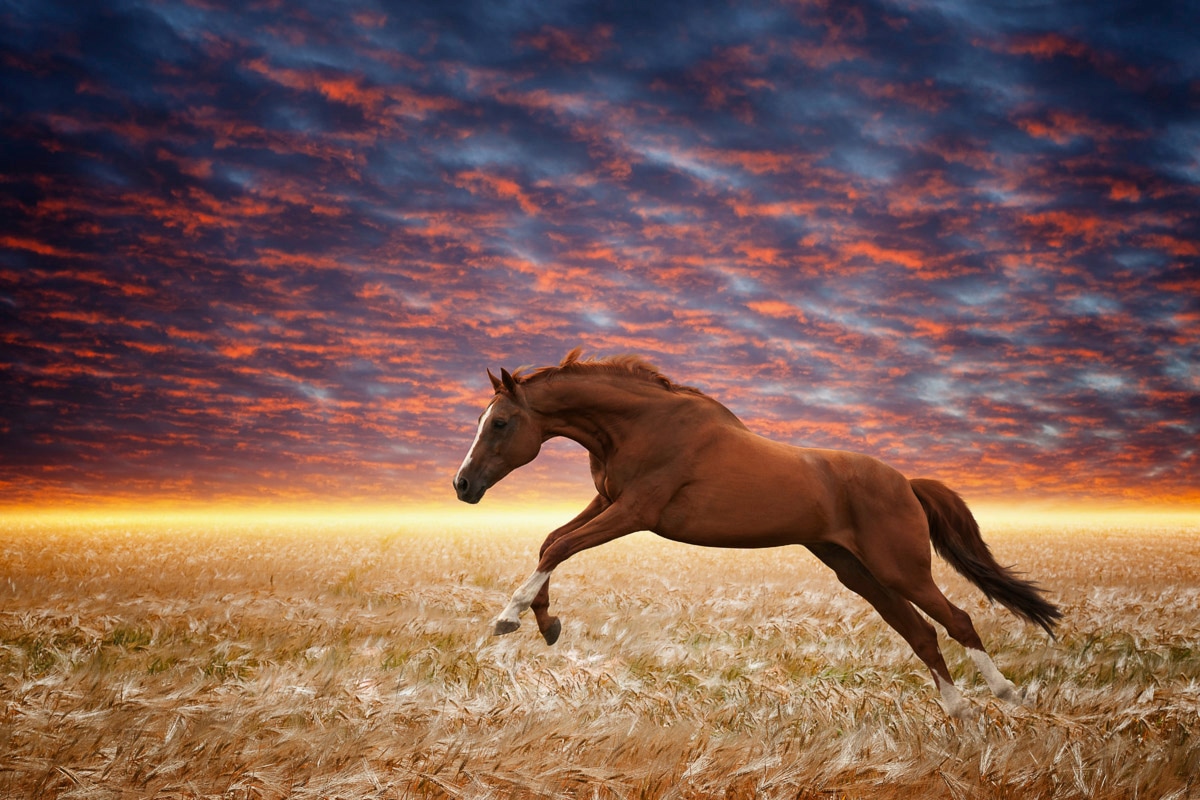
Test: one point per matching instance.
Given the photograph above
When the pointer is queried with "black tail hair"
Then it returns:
(955, 536)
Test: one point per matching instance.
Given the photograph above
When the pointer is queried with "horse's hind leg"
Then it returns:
(900, 614)
(929, 598)
(906, 570)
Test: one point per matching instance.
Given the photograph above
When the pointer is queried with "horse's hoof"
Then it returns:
(552, 631)
(503, 626)
(962, 711)
(1012, 695)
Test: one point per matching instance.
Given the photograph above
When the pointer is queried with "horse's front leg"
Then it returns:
(600, 522)
(549, 626)
(510, 618)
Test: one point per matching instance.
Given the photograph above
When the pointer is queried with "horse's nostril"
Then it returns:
(461, 485)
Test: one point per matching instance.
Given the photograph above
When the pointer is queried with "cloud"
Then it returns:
(574, 47)
(253, 255)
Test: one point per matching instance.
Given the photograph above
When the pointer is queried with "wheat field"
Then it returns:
(322, 659)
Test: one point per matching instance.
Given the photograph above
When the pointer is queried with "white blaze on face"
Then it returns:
(484, 421)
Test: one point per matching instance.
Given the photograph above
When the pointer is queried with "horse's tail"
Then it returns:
(955, 536)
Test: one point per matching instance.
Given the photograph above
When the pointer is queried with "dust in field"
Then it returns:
(320, 660)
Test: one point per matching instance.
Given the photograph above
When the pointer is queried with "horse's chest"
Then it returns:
(634, 480)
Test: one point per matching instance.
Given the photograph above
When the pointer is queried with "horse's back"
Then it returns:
(743, 490)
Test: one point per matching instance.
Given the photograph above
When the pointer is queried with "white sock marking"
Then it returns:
(952, 699)
(1001, 686)
(523, 597)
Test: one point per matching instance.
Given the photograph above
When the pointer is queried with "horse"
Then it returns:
(669, 459)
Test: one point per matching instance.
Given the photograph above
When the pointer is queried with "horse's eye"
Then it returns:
(499, 423)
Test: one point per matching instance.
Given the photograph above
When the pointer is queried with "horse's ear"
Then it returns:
(571, 357)
(510, 384)
(496, 382)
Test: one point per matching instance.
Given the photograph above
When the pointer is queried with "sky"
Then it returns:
(264, 252)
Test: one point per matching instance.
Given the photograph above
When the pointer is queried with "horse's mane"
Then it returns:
(627, 365)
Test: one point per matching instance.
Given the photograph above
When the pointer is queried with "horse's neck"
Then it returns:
(597, 412)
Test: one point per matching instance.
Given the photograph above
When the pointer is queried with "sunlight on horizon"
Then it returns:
(541, 516)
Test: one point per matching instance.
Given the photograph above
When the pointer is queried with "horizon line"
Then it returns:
(325, 513)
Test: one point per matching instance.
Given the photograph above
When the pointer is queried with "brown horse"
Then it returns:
(667, 458)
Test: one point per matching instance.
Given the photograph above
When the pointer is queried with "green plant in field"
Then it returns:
(129, 638)
(41, 656)
(160, 664)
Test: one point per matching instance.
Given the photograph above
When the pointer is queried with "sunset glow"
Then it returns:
(341, 521)
(260, 259)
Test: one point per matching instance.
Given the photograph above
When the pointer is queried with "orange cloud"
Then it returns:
(570, 46)
(906, 258)
(477, 181)
(1050, 45)
(777, 309)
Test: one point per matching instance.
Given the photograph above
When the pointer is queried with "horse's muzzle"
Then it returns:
(469, 492)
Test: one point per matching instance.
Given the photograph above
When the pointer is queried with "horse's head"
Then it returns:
(508, 437)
